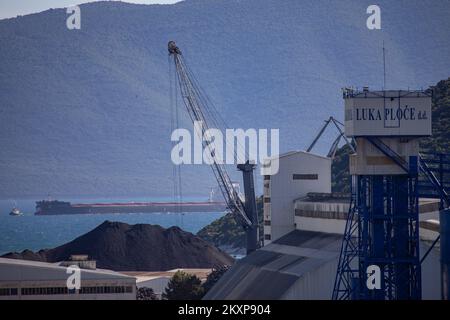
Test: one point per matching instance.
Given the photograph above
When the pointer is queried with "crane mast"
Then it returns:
(197, 109)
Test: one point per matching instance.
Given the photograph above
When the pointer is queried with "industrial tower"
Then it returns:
(382, 231)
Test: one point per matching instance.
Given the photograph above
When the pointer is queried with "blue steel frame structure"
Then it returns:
(383, 228)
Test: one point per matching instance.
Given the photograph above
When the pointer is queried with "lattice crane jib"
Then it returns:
(200, 111)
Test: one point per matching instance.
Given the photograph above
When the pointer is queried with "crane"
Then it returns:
(335, 145)
(199, 110)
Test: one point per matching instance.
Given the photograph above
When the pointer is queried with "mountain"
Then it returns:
(440, 141)
(87, 112)
(340, 173)
(141, 247)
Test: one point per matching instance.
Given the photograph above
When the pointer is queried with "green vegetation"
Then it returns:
(340, 175)
(184, 286)
(214, 276)
(440, 141)
(227, 231)
(145, 294)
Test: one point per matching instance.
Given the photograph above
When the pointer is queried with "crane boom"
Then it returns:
(196, 108)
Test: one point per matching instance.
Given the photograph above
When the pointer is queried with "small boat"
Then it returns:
(15, 212)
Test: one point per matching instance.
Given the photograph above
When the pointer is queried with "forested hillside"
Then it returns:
(87, 112)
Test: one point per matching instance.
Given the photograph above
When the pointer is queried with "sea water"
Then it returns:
(32, 232)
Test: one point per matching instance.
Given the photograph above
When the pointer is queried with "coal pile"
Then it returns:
(141, 247)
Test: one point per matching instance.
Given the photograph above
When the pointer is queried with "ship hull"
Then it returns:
(151, 207)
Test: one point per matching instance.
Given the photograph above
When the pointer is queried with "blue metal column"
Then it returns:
(388, 237)
(360, 292)
(378, 231)
(444, 219)
(415, 272)
(402, 254)
(386, 220)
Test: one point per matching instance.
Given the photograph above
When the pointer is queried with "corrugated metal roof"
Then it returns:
(269, 272)
(300, 265)
(233, 282)
(266, 285)
(283, 262)
(261, 258)
(23, 270)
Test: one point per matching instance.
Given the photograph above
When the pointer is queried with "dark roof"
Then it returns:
(268, 273)
(308, 239)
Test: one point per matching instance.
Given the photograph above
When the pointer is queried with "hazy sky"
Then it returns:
(12, 8)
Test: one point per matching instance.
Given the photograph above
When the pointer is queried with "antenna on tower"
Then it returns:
(384, 67)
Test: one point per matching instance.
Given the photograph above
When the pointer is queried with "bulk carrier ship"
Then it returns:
(55, 207)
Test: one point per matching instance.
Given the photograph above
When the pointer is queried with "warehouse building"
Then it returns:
(31, 280)
(299, 173)
(302, 264)
(303, 228)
